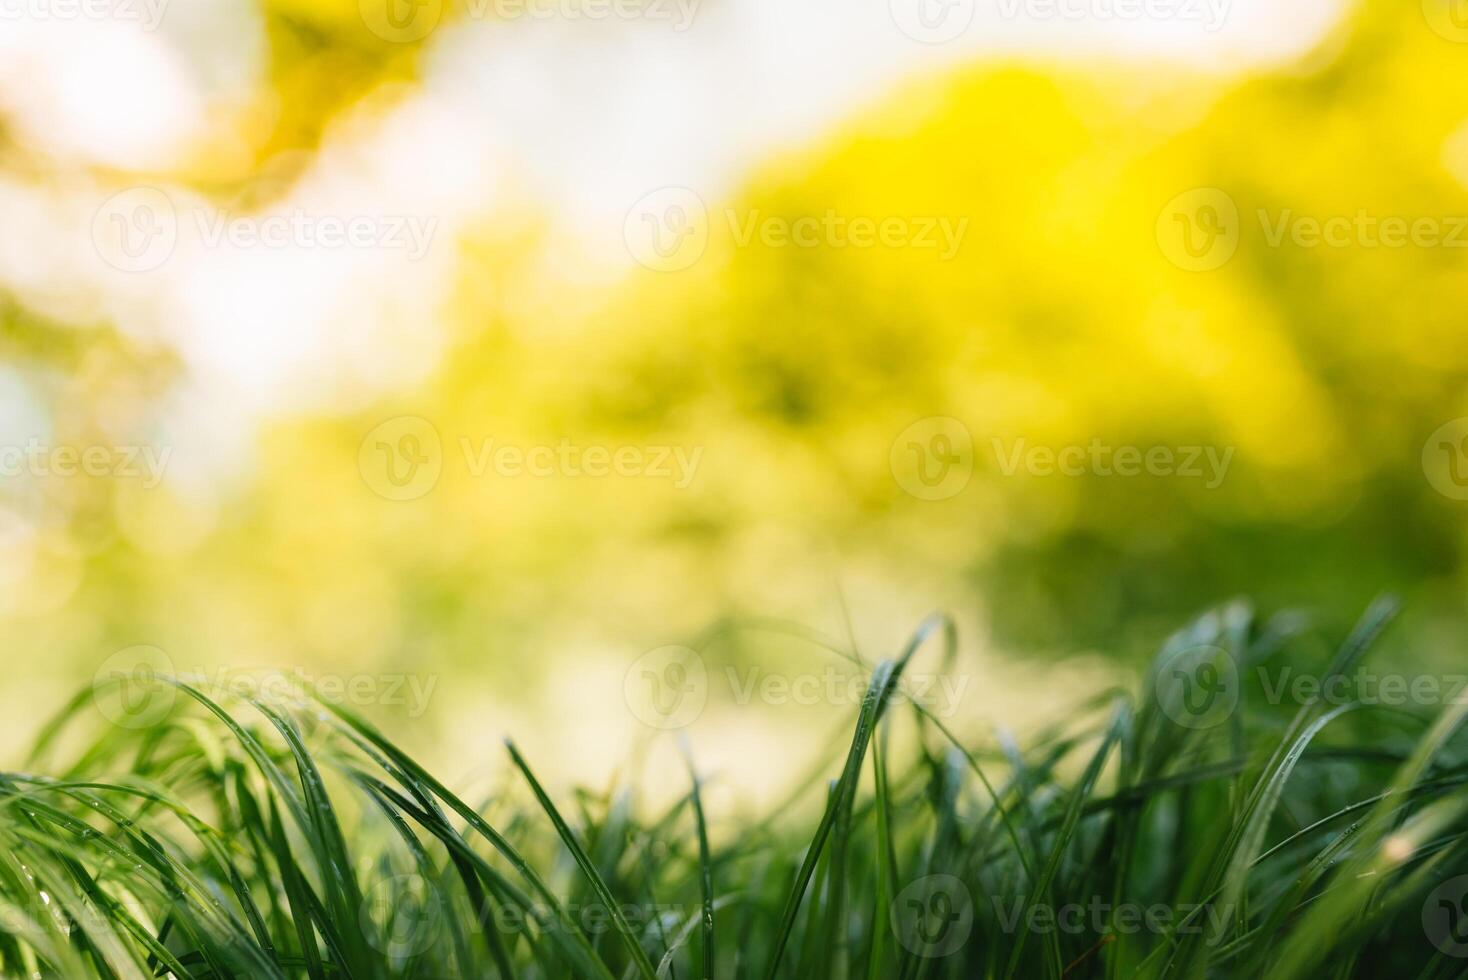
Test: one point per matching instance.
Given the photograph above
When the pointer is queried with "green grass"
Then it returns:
(1196, 828)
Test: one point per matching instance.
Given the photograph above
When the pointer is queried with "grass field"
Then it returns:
(1200, 827)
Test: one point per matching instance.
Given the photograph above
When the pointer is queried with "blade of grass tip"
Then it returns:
(705, 866)
(1358, 874)
(1259, 811)
(337, 878)
(886, 857)
(426, 872)
(578, 853)
(422, 784)
(1064, 836)
(548, 914)
(879, 691)
(836, 936)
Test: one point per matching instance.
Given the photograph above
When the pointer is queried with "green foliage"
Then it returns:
(1144, 837)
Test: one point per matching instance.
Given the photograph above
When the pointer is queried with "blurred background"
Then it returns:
(477, 352)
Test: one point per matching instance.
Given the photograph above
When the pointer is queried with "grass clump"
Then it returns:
(1196, 829)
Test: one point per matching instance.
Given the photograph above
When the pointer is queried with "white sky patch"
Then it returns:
(599, 113)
